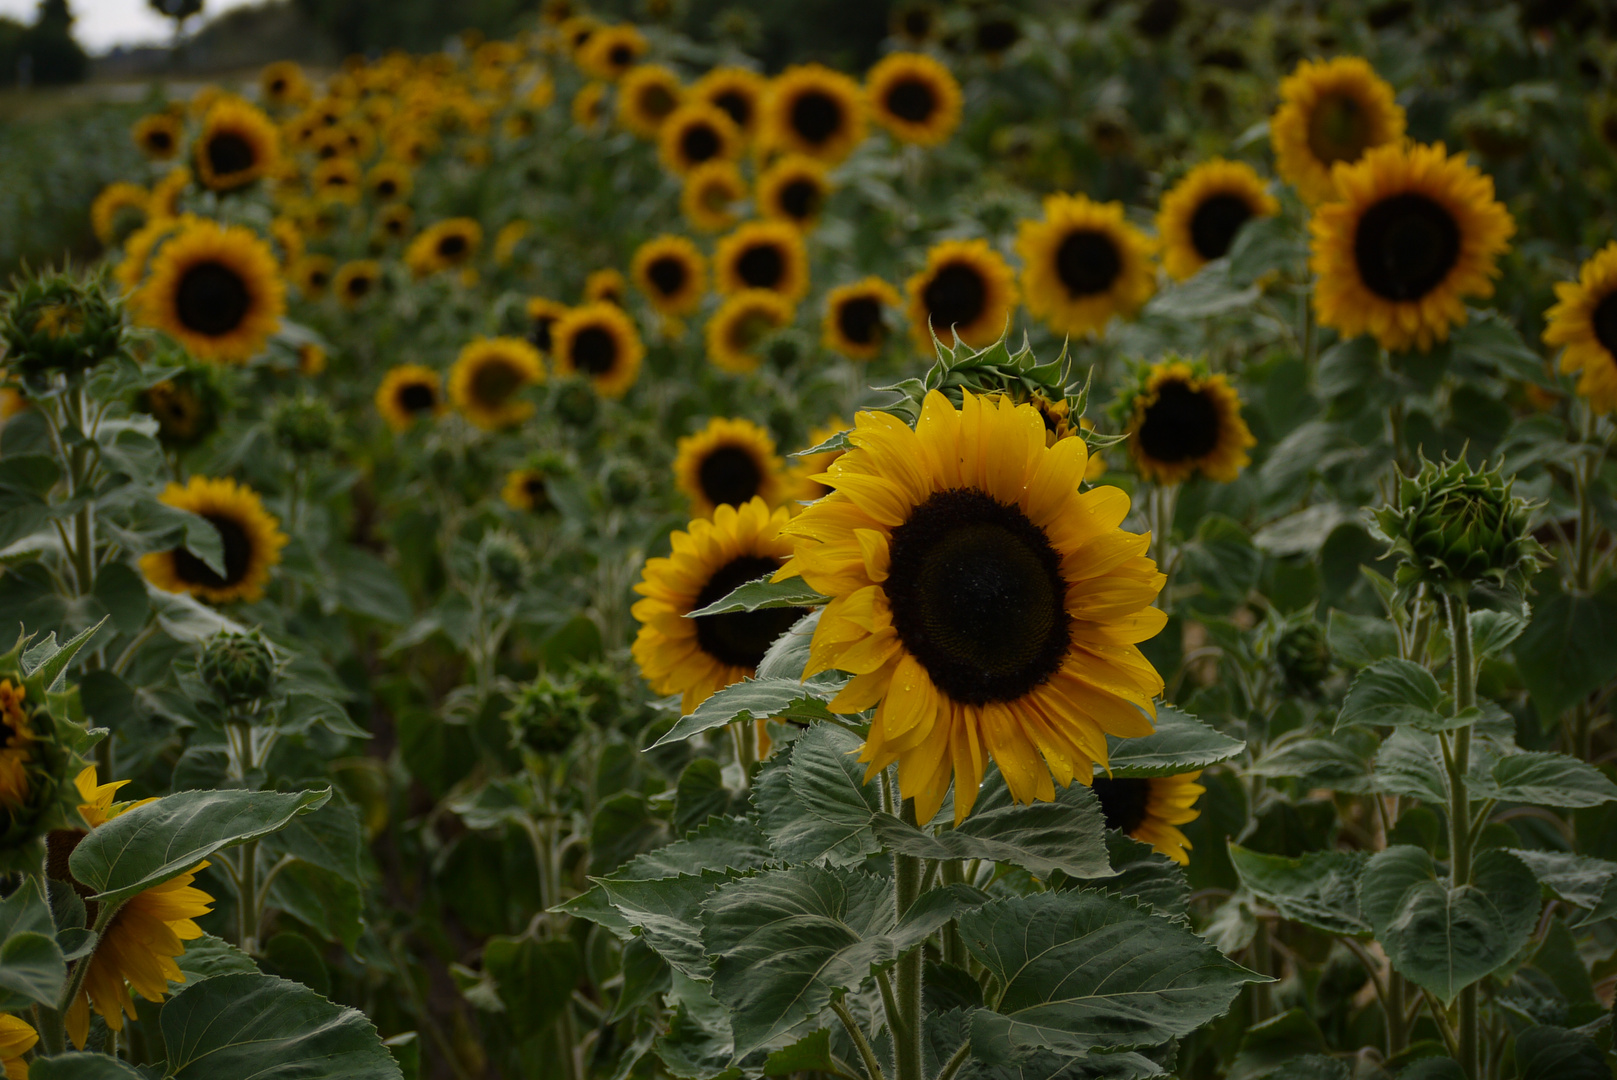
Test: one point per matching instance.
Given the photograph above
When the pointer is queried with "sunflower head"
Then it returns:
(158, 135)
(914, 97)
(859, 318)
(794, 188)
(408, 393)
(1151, 809)
(762, 255)
(1330, 111)
(40, 747)
(187, 405)
(1303, 655)
(389, 181)
(738, 91)
(446, 245)
(216, 290)
(58, 322)
(528, 489)
(1084, 264)
(1203, 213)
(744, 324)
(647, 96)
(548, 714)
(710, 194)
(589, 106)
(239, 668)
(357, 281)
(542, 314)
(488, 379)
(612, 51)
(283, 83)
(915, 22)
(598, 341)
(237, 145)
(696, 134)
(312, 274)
(250, 542)
(730, 462)
(606, 286)
(118, 211)
(965, 292)
(1182, 420)
(672, 274)
(1584, 322)
(337, 180)
(813, 110)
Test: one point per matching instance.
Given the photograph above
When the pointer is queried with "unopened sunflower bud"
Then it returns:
(57, 322)
(575, 402)
(624, 482)
(238, 668)
(1304, 657)
(504, 560)
(304, 425)
(548, 714)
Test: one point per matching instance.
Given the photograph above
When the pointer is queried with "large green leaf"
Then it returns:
(1442, 938)
(665, 913)
(1360, 640)
(32, 968)
(1568, 650)
(83, 1067)
(814, 803)
(1547, 779)
(1554, 1053)
(720, 844)
(1321, 889)
(1180, 743)
(1408, 764)
(756, 699)
(1577, 879)
(153, 843)
(535, 979)
(1391, 693)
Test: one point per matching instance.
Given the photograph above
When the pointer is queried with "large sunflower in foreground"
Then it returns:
(599, 342)
(762, 255)
(249, 537)
(813, 110)
(740, 325)
(697, 657)
(984, 607)
(1330, 111)
(1413, 232)
(1584, 322)
(17, 1037)
(966, 290)
(1083, 264)
(856, 317)
(216, 290)
(1182, 420)
(1151, 809)
(488, 378)
(409, 392)
(728, 463)
(1201, 216)
(237, 145)
(914, 97)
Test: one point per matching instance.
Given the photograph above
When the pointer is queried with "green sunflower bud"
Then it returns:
(504, 560)
(187, 405)
(239, 668)
(575, 402)
(1304, 657)
(548, 715)
(993, 370)
(59, 322)
(304, 425)
(624, 482)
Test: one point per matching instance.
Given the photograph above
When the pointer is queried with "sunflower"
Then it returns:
(186, 407)
(966, 289)
(800, 475)
(337, 179)
(762, 255)
(648, 94)
(1083, 264)
(985, 607)
(1414, 231)
(525, 489)
(249, 536)
(542, 316)
(167, 191)
(697, 134)
(394, 221)
(914, 97)
(141, 245)
(612, 51)
(488, 378)
(598, 341)
(409, 392)
(283, 83)
(118, 211)
(312, 275)
(1151, 809)
(442, 246)
(1180, 420)
(1584, 322)
(855, 322)
(697, 657)
(607, 286)
(1330, 111)
(916, 23)
(17, 1037)
(814, 110)
(238, 144)
(216, 290)
(158, 135)
(16, 745)
(728, 463)
(736, 90)
(589, 106)
(288, 240)
(740, 325)
(709, 196)
(511, 234)
(794, 188)
(356, 281)
(575, 32)
(311, 359)
(1200, 218)
(672, 273)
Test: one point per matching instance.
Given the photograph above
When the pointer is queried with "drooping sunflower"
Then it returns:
(647, 96)
(250, 537)
(542, 315)
(966, 289)
(695, 658)
(672, 273)
(598, 341)
(740, 325)
(1202, 215)
(813, 110)
(337, 179)
(794, 188)
(1414, 231)
(1330, 111)
(985, 607)
(238, 144)
(589, 106)
(697, 134)
(409, 392)
(728, 463)
(356, 281)
(914, 97)
(1151, 809)
(283, 83)
(612, 51)
(762, 255)
(388, 181)
(855, 323)
(1182, 420)
(710, 195)
(312, 275)
(17, 1037)
(159, 135)
(16, 745)
(216, 290)
(800, 475)
(443, 246)
(393, 222)
(526, 489)
(606, 286)
(736, 90)
(487, 380)
(1083, 264)
(1584, 322)
(118, 211)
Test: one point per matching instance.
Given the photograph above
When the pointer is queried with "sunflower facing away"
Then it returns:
(250, 537)
(794, 188)
(216, 290)
(1584, 322)
(966, 290)
(983, 606)
(17, 1037)
(599, 342)
(856, 318)
(697, 134)
(525, 489)
(735, 90)
(740, 325)
(488, 378)
(443, 246)
(672, 273)
(647, 96)
(762, 255)
(409, 392)
(1182, 420)
(1151, 809)
(1330, 111)
(1203, 213)
(356, 281)
(728, 463)
(914, 97)
(1414, 231)
(158, 135)
(1082, 264)
(813, 110)
(237, 145)
(697, 657)
(118, 211)
(710, 194)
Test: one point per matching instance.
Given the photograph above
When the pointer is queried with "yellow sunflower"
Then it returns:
(800, 475)
(985, 607)
(575, 32)
(813, 110)
(710, 194)
(1151, 809)
(966, 289)
(612, 51)
(443, 246)
(739, 326)
(337, 179)
(542, 315)
(794, 188)
(238, 144)
(388, 181)
(1182, 420)
(648, 94)
(1414, 231)
(914, 97)
(356, 281)
(394, 221)
(728, 463)
(488, 378)
(507, 240)
(697, 134)
(409, 392)
(762, 255)
(167, 191)
(599, 342)
(159, 135)
(311, 359)
(1584, 322)
(672, 273)
(697, 657)
(140, 247)
(1330, 111)
(16, 740)
(288, 240)
(736, 90)
(1083, 264)
(916, 23)
(250, 537)
(17, 1037)
(283, 83)
(216, 290)
(525, 489)
(118, 211)
(312, 274)
(589, 106)
(1203, 213)
(606, 286)
(855, 322)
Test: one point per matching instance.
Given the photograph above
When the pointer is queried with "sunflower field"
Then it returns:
(1081, 551)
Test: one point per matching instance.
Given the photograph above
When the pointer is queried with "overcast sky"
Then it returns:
(104, 23)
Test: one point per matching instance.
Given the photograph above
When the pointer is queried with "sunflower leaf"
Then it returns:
(83, 1066)
(1181, 743)
(1393, 692)
(1321, 889)
(1546, 779)
(756, 699)
(32, 969)
(763, 593)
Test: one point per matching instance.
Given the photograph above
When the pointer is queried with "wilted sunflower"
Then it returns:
(813, 110)
(118, 211)
(159, 135)
(984, 606)
(647, 96)
(736, 90)
(283, 83)
(388, 181)
(794, 188)
(612, 51)
(740, 325)
(249, 535)
(215, 290)
(855, 322)
(1180, 420)
(800, 475)
(17, 1037)
(337, 179)
(589, 106)
(542, 315)
(1330, 111)
(599, 342)
(16, 745)
(1083, 264)
(487, 380)
(1413, 232)
(1151, 809)
(238, 144)
(525, 489)
(697, 134)
(1202, 215)
(966, 289)
(672, 273)
(914, 97)
(312, 275)
(409, 392)
(356, 281)
(1584, 322)
(606, 286)
(710, 194)
(727, 463)
(442, 246)
(394, 221)
(762, 255)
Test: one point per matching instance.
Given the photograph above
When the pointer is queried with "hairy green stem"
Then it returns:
(950, 872)
(246, 898)
(1459, 760)
(873, 1070)
(906, 891)
(957, 1059)
(52, 1024)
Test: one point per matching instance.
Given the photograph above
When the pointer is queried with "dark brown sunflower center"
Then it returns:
(737, 105)
(955, 296)
(1214, 224)
(387, 187)
(656, 102)
(761, 266)
(452, 246)
(318, 278)
(997, 35)
(1124, 800)
(1087, 262)
(620, 56)
(1604, 321)
(729, 476)
(494, 382)
(668, 274)
(159, 140)
(917, 24)
(740, 638)
(1338, 129)
(1405, 247)
(859, 320)
(534, 488)
(358, 286)
(816, 116)
(417, 398)
(1182, 425)
(229, 153)
(539, 332)
(212, 299)
(699, 143)
(238, 552)
(912, 100)
(595, 351)
(801, 198)
(277, 87)
(977, 597)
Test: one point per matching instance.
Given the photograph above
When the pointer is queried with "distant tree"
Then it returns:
(178, 10)
(54, 56)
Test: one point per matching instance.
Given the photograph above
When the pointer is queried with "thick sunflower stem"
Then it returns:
(1397, 1010)
(1160, 509)
(1459, 760)
(951, 872)
(247, 898)
(907, 1037)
